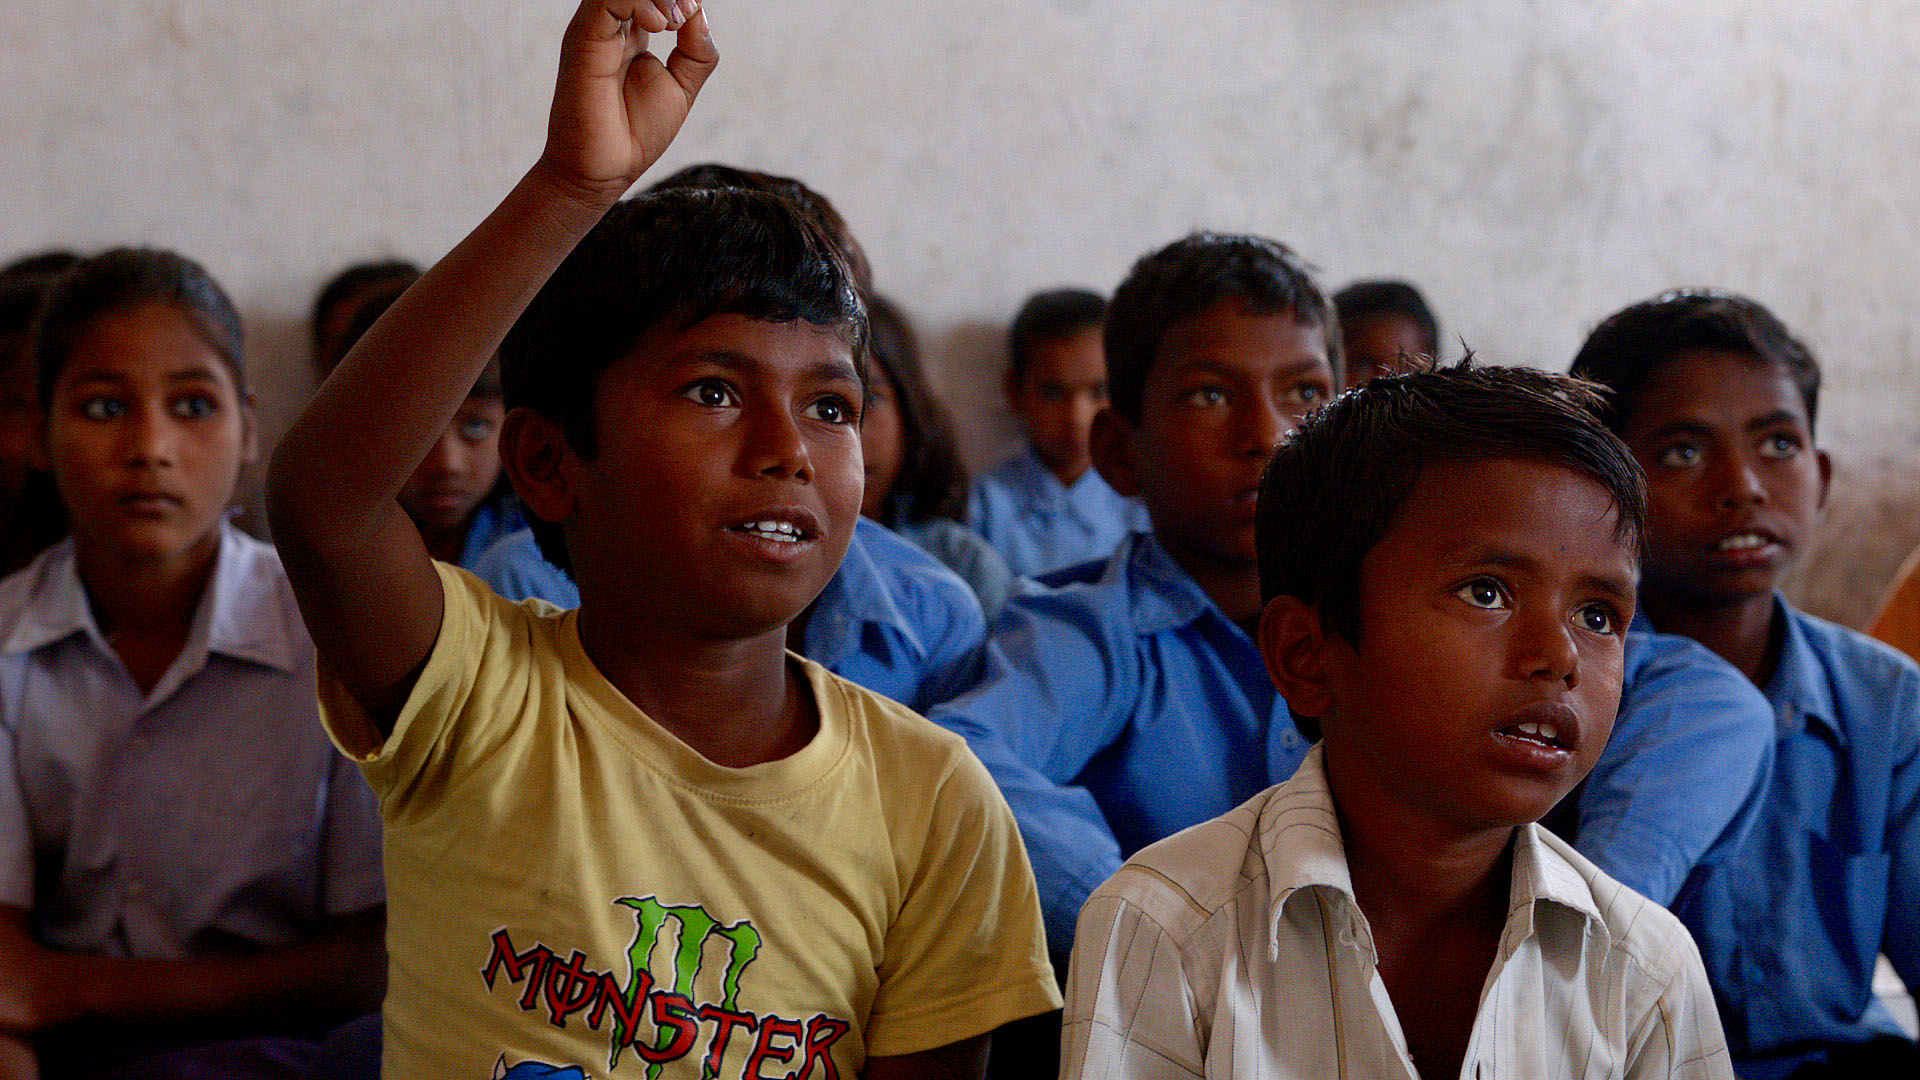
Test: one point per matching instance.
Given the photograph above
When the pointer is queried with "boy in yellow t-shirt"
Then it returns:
(642, 838)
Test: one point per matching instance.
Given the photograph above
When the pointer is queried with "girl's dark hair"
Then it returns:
(1336, 486)
(124, 279)
(1625, 349)
(1364, 299)
(669, 258)
(1191, 275)
(932, 482)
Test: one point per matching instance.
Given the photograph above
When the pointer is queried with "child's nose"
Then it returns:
(1544, 649)
(775, 446)
(1740, 483)
(1264, 423)
(150, 438)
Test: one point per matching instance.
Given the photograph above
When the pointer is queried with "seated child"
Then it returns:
(189, 877)
(459, 498)
(1384, 324)
(1717, 399)
(1145, 666)
(641, 835)
(337, 307)
(1047, 507)
(31, 516)
(1449, 561)
(916, 484)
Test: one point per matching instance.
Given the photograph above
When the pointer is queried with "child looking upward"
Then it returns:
(640, 837)
(1717, 400)
(1449, 560)
(189, 876)
(1046, 507)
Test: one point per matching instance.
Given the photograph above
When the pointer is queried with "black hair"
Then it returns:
(1337, 484)
(124, 279)
(711, 175)
(1363, 300)
(1050, 316)
(669, 258)
(53, 262)
(1191, 275)
(932, 482)
(359, 280)
(1625, 349)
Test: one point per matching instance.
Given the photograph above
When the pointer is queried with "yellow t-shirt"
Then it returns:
(571, 887)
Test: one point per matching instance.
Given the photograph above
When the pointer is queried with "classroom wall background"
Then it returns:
(1531, 164)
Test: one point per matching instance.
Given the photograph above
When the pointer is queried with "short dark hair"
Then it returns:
(932, 482)
(124, 279)
(1337, 484)
(712, 174)
(1625, 349)
(1365, 299)
(53, 261)
(1191, 275)
(391, 276)
(668, 258)
(1050, 316)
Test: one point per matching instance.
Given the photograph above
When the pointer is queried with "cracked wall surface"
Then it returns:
(1533, 165)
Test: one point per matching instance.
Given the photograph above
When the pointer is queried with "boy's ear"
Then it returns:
(1111, 446)
(1826, 474)
(1294, 645)
(1010, 386)
(534, 451)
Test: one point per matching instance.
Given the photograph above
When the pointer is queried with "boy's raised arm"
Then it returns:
(365, 584)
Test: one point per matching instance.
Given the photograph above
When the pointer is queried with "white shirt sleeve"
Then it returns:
(1131, 1014)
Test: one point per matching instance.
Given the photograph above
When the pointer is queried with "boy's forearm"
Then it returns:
(335, 976)
(17, 1059)
(341, 466)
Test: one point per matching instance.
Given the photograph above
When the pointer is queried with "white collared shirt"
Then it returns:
(1236, 949)
(208, 816)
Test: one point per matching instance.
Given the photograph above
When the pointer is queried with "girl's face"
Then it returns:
(146, 432)
(882, 442)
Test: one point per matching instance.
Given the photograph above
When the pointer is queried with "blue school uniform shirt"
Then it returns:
(1039, 524)
(892, 619)
(1830, 875)
(1122, 706)
(493, 520)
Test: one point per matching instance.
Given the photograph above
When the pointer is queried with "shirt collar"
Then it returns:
(1304, 856)
(859, 593)
(247, 620)
(1799, 690)
(1161, 594)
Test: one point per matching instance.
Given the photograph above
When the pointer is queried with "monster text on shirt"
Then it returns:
(628, 1004)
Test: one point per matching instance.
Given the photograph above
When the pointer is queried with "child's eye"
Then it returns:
(1598, 618)
(713, 393)
(1308, 393)
(194, 407)
(102, 408)
(476, 429)
(832, 409)
(1204, 397)
(1483, 593)
(1779, 446)
(1052, 394)
(1679, 456)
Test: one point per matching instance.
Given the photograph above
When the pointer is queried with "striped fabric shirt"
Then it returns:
(1236, 949)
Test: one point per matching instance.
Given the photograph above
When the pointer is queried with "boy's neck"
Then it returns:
(448, 545)
(1234, 588)
(736, 703)
(1742, 633)
(1068, 473)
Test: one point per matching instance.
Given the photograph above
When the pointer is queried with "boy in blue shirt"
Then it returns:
(1717, 399)
(1144, 667)
(1046, 507)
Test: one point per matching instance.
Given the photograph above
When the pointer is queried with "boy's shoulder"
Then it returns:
(1203, 874)
(28, 593)
(1647, 936)
(892, 732)
(1839, 673)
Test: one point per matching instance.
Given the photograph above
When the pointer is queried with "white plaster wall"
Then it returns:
(1533, 165)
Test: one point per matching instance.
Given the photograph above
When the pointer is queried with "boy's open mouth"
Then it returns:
(1546, 735)
(778, 527)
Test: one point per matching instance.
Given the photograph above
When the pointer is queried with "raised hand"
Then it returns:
(617, 106)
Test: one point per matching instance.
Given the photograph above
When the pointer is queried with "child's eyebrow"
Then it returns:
(1608, 585)
(1773, 419)
(825, 370)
